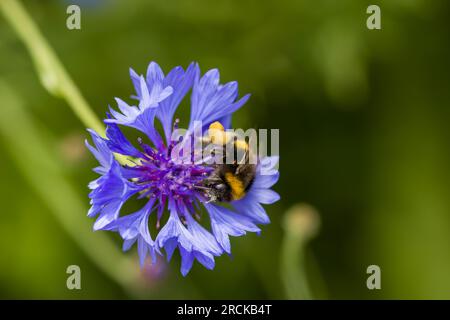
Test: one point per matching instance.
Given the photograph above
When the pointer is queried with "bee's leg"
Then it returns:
(212, 198)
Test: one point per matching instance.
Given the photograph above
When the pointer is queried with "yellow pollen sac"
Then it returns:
(216, 126)
(236, 185)
(217, 133)
(241, 144)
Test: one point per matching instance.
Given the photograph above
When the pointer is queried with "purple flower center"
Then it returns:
(157, 175)
(161, 176)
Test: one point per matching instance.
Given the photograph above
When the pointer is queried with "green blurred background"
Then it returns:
(363, 118)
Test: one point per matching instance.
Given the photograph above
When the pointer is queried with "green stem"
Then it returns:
(51, 72)
(301, 224)
(293, 268)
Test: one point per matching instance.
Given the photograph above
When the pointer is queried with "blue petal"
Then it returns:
(194, 242)
(204, 89)
(131, 225)
(219, 113)
(266, 196)
(127, 116)
(170, 246)
(225, 223)
(142, 120)
(108, 214)
(157, 93)
(118, 143)
(142, 251)
(187, 260)
(145, 101)
(127, 244)
(265, 181)
(181, 82)
(204, 241)
(101, 151)
(136, 79)
(174, 229)
(211, 101)
(142, 117)
(250, 207)
(111, 190)
(125, 226)
(154, 74)
(134, 227)
(268, 166)
(205, 259)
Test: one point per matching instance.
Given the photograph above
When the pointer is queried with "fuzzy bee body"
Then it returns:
(229, 182)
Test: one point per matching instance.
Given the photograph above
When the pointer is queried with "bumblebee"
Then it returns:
(229, 182)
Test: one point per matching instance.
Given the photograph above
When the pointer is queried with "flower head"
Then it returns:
(173, 191)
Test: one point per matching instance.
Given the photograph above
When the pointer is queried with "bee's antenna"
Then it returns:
(201, 188)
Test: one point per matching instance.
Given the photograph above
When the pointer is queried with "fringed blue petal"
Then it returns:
(111, 190)
(193, 242)
(250, 207)
(266, 175)
(181, 82)
(211, 101)
(150, 94)
(225, 223)
(118, 143)
(134, 227)
(101, 152)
